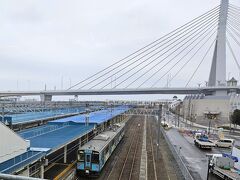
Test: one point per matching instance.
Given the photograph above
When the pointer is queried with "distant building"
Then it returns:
(197, 108)
(232, 82)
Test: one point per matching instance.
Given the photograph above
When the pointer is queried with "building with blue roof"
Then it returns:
(56, 137)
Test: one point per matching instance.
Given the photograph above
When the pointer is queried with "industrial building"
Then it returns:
(198, 108)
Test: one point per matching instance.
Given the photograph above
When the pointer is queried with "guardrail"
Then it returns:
(43, 130)
(178, 158)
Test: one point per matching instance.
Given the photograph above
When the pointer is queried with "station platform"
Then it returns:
(22, 160)
(57, 136)
(33, 116)
(59, 132)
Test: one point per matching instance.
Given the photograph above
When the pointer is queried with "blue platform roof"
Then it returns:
(56, 134)
(59, 137)
(22, 160)
(33, 116)
(60, 132)
(96, 117)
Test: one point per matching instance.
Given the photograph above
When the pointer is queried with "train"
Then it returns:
(92, 156)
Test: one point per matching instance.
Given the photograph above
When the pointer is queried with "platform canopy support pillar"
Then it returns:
(42, 171)
(65, 154)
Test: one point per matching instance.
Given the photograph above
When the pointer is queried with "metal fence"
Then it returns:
(176, 154)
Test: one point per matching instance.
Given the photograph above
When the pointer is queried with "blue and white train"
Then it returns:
(93, 155)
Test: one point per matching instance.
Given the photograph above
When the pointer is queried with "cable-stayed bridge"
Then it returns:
(205, 39)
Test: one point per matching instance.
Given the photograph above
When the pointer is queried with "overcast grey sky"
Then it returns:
(42, 41)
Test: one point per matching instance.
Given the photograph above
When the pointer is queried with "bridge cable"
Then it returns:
(233, 37)
(184, 65)
(141, 74)
(233, 26)
(142, 62)
(174, 31)
(156, 72)
(197, 25)
(234, 6)
(233, 19)
(185, 56)
(233, 12)
(234, 30)
(173, 58)
(233, 54)
(200, 63)
(143, 67)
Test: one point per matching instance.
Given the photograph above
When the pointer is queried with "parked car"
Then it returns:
(202, 141)
(225, 143)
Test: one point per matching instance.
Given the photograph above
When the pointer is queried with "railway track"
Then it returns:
(124, 166)
(151, 165)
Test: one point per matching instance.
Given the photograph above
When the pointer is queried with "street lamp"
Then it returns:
(209, 156)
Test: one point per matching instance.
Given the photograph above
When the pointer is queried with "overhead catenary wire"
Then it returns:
(135, 61)
(147, 46)
(200, 63)
(161, 68)
(196, 30)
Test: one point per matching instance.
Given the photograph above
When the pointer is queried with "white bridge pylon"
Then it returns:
(218, 69)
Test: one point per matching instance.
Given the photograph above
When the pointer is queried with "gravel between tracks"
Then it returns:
(166, 166)
(125, 161)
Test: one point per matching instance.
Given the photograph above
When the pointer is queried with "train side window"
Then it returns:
(107, 149)
(95, 158)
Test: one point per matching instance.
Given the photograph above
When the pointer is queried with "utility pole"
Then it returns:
(178, 114)
(87, 115)
(158, 124)
(3, 113)
(189, 107)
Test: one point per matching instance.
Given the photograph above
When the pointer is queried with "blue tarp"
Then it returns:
(230, 156)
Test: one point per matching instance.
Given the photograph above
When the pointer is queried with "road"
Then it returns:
(195, 159)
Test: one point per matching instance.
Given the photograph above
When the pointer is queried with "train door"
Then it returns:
(87, 160)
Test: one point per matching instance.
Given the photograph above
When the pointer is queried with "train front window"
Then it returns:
(88, 158)
(81, 156)
(95, 158)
